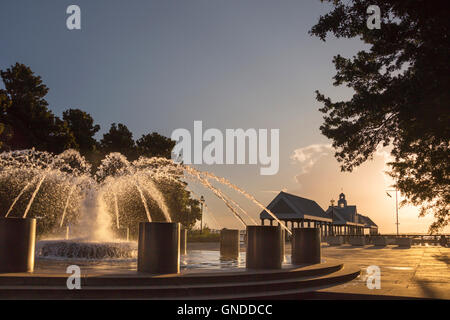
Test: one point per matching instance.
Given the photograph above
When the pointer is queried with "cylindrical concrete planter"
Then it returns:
(404, 242)
(264, 247)
(357, 241)
(306, 246)
(183, 241)
(335, 240)
(17, 244)
(159, 247)
(379, 241)
(229, 244)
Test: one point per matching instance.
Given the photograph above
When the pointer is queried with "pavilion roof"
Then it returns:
(287, 206)
(348, 216)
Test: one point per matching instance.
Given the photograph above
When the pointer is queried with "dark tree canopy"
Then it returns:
(155, 145)
(4, 104)
(118, 139)
(25, 114)
(401, 96)
(82, 126)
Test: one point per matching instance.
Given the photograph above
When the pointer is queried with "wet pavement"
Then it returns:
(420, 271)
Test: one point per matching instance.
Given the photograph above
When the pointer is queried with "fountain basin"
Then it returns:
(88, 250)
(17, 244)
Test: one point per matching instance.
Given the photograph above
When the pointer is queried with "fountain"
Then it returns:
(92, 223)
(91, 218)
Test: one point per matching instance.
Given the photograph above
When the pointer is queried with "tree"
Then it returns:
(401, 96)
(4, 105)
(155, 145)
(30, 123)
(119, 139)
(61, 138)
(82, 126)
(183, 208)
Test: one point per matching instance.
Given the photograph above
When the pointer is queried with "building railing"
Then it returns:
(417, 239)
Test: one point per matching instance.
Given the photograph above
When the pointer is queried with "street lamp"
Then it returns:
(188, 209)
(332, 216)
(396, 206)
(202, 201)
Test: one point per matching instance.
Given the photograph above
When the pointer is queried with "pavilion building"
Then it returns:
(347, 220)
(297, 212)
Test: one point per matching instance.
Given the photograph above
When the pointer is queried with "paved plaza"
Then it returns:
(419, 272)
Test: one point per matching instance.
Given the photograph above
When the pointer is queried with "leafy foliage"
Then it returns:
(119, 139)
(401, 96)
(82, 126)
(154, 145)
(24, 111)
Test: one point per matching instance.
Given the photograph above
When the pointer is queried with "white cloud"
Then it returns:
(308, 156)
(275, 191)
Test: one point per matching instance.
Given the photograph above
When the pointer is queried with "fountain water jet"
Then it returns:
(18, 197)
(91, 197)
(158, 197)
(219, 194)
(116, 210)
(144, 202)
(33, 196)
(229, 184)
(66, 205)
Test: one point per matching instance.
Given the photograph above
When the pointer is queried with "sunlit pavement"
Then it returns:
(420, 271)
(417, 272)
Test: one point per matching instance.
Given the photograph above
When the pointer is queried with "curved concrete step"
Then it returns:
(228, 290)
(133, 278)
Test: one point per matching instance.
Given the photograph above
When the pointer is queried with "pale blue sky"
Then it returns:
(160, 65)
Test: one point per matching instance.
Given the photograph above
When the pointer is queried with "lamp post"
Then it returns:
(188, 207)
(332, 216)
(202, 201)
(396, 206)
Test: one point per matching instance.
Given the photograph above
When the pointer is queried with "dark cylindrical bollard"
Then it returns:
(183, 241)
(17, 244)
(229, 244)
(264, 247)
(159, 247)
(306, 246)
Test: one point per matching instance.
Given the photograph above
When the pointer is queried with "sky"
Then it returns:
(161, 65)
